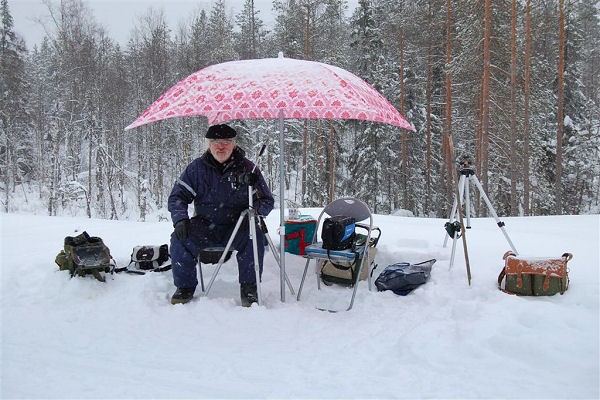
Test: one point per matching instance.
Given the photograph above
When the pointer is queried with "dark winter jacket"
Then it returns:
(212, 186)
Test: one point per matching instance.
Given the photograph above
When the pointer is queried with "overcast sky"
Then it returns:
(119, 16)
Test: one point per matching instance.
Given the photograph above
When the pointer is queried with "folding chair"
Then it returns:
(357, 257)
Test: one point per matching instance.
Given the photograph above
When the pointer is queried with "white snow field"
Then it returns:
(80, 338)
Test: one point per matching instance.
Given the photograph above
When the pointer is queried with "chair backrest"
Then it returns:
(350, 207)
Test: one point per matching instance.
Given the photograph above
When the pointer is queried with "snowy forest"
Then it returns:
(514, 84)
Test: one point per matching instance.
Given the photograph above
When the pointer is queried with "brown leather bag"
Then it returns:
(534, 276)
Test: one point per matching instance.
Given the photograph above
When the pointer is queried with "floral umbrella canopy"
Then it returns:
(273, 88)
(257, 89)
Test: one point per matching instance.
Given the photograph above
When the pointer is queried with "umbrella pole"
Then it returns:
(281, 209)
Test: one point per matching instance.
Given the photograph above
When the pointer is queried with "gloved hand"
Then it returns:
(182, 229)
(247, 178)
(251, 178)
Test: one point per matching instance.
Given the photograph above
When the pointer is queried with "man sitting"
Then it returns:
(213, 183)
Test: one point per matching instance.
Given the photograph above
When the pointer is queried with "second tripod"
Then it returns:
(467, 174)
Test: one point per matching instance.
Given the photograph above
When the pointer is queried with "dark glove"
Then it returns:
(182, 229)
(251, 178)
(247, 178)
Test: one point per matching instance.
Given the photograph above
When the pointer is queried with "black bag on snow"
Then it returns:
(151, 258)
(84, 254)
(338, 233)
(403, 278)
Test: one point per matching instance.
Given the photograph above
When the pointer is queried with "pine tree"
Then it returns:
(16, 157)
(580, 145)
(150, 75)
(199, 42)
(366, 165)
(290, 28)
(249, 40)
(64, 105)
(220, 35)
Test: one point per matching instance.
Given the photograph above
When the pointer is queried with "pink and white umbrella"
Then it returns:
(273, 88)
(257, 89)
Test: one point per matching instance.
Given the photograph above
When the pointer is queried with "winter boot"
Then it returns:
(183, 295)
(248, 294)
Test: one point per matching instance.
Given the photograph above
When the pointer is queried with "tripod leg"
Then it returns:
(493, 212)
(467, 201)
(461, 185)
(274, 250)
(201, 275)
(454, 239)
(303, 278)
(227, 247)
(252, 227)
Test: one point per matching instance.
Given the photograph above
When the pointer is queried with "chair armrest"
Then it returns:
(374, 240)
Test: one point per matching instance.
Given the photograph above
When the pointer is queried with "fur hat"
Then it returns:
(221, 131)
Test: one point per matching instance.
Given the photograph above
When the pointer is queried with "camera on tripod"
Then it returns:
(465, 165)
(243, 179)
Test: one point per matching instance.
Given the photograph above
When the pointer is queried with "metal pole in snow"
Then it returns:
(281, 209)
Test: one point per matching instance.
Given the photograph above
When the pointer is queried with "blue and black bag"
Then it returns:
(403, 278)
(338, 232)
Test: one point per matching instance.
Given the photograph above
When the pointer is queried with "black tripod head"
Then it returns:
(242, 179)
(465, 165)
(453, 229)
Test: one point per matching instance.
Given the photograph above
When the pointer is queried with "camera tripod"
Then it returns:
(452, 227)
(253, 218)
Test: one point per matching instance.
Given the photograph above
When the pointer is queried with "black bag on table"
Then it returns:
(338, 233)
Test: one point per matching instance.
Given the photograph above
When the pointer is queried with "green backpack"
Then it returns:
(85, 254)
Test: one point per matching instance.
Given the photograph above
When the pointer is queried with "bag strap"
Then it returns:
(162, 269)
(567, 256)
(501, 278)
(338, 266)
(341, 266)
(138, 272)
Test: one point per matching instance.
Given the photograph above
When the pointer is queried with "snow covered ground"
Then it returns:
(79, 338)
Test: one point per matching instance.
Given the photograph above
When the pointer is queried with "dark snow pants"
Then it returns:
(204, 234)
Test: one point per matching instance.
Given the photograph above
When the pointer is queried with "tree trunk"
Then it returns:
(252, 29)
(89, 191)
(428, 119)
(448, 124)
(6, 174)
(485, 118)
(141, 176)
(404, 171)
(526, 133)
(560, 112)
(478, 144)
(513, 111)
(55, 172)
